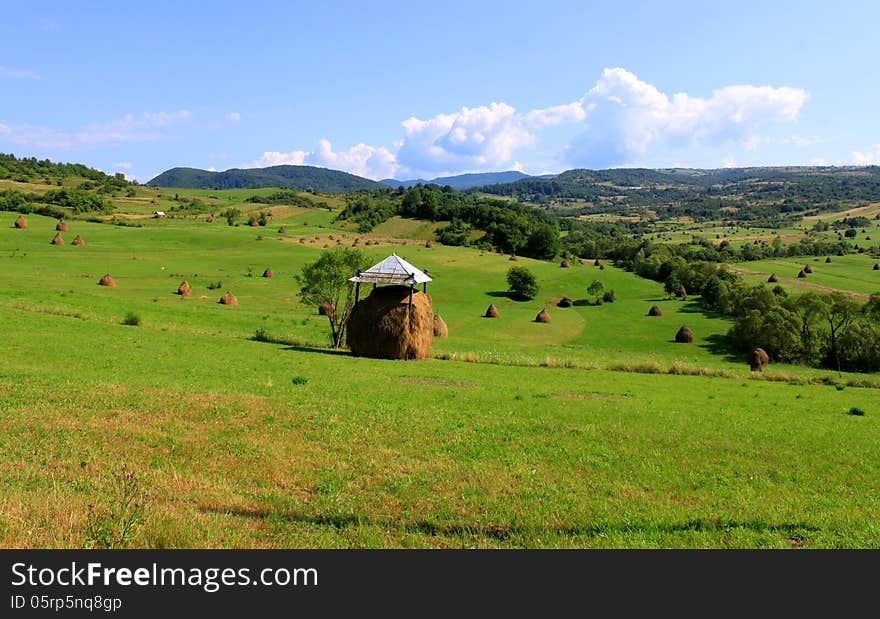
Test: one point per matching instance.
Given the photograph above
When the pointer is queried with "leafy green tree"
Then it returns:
(326, 281)
(521, 283)
(595, 290)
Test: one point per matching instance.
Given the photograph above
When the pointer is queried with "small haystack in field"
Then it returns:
(108, 281)
(78, 241)
(684, 336)
(228, 299)
(20, 223)
(440, 328)
(62, 226)
(758, 359)
(281, 230)
(828, 260)
(801, 274)
(268, 272)
(877, 266)
(209, 219)
(682, 292)
(386, 325)
(184, 289)
(513, 257)
(808, 269)
(492, 312)
(326, 309)
(429, 244)
(565, 264)
(773, 279)
(543, 316)
(655, 311)
(597, 263)
(57, 240)
(253, 222)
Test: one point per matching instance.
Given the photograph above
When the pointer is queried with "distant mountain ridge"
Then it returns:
(465, 181)
(300, 177)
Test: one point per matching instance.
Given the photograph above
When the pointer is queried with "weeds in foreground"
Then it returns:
(115, 523)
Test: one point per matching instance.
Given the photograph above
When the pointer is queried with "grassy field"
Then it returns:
(596, 430)
(853, 273)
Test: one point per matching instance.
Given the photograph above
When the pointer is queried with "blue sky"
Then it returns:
(421, 89)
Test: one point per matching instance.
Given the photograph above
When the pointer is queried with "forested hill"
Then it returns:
(287, 176)
(783, 189)
(33, 170)
(461, 181)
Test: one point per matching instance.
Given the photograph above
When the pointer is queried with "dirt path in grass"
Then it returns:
(800, 282)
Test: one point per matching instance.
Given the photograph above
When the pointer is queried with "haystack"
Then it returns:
(228, 299)
(209, 219)
(565, 264)
(684, 336)
(78, 241)
(107, 280)
(440, 328)
(253, 222)
(828, 260)
(281, 230)
(808, 269)
(492, 312)
(429, 244)
(385, 326)
(564, 302)
(682, 292)
(62, 226)
(57, 240)
(20, 222)
(184, 289)
(513, 257)
(542, 316)
(326, 309)
(801, 274)
(877, 266)
(597, 263)
(655, 311)
(268, 272)
(773, 279)
(758, 359)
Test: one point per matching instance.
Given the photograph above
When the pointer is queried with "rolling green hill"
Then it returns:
(287, 176)
(462, 181)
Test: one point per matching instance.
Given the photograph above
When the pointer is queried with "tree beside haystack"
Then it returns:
(440, 328)
(684, 336)
(758, 359)
(393, 322)
(20, 223)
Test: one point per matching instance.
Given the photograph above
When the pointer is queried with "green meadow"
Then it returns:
(596, 430)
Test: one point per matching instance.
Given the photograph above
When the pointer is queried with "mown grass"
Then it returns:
(518, 435)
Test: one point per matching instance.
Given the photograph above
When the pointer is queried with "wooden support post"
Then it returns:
(357, 291)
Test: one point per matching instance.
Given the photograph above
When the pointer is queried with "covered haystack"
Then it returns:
(386, 326)
(184, 289)
(542, 316)
(773, 279)
(268, 272)
(20, 222)
(429, 244)
(684, 336)
(808, 269)
(62, 226)
(107, 280)
(78, 241)
(801, 274)
(565, 264)
(492, 312)
(758, 359)
(440, 328)
(326, 309)
(228, 299)
(565, 302)
(57, 240)
(828, 260)
(655, 311)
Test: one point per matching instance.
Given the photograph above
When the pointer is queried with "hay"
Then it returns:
(440, 328)
(655, 311)
(597, 263)
(429, 245)
(228, 299)
(268, 272)
(62, 226)
(78, 241)
(808, 269)
(758, 359)
(253, 223)
(20, 223)
(57, 240)
(877, 266)
(513, 257)
(828, 260)
(773, 279)
(684, 336)
(801, 274)
(281, 230)
(326, 309)
(385, 326)
(184, 289)
(682, 292)
(209, 219)
(108, 281)
(565, 264)
(543, 316)
(565, 302)
(492, 312)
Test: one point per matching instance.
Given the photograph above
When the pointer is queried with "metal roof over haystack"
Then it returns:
(392, 270)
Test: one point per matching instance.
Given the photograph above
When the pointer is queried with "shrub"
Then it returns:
(608, 297)
(299, 380)
(856, 411)
(132, 320)
(522, 283)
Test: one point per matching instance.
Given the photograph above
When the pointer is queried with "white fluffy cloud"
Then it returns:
(868, 157)
(620, 120)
